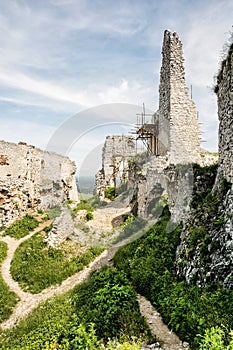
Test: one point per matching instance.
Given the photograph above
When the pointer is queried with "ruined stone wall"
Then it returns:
(224, 91)
(178, 122)
(117, 151)
(31, 179)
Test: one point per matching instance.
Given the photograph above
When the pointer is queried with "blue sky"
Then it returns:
(62, 57)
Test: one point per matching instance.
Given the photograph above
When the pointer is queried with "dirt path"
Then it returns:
(103, 218)
(167, 339)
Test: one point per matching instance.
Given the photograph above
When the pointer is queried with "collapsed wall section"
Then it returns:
(32, 179)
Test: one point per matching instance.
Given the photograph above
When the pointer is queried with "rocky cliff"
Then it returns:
(32, 179)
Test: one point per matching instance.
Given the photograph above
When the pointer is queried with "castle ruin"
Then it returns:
(173, 134)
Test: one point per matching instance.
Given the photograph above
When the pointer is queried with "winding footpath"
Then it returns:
(29, 301)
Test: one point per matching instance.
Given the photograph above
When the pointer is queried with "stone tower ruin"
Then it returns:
(176, 127)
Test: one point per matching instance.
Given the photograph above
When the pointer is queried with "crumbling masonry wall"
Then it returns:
(179, 132)
(117, 150)
(224, 91)
(31, 179)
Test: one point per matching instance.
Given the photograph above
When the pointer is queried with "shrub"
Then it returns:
(83, 205)
(89, 216)
(62, 322)
(215, 339)
(109, 301)
(131, 225)
(110, 193)
(21, 228)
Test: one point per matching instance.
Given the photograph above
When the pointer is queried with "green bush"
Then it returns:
(42, 328)
(36, 267)
(215, 339)
(21, 228)
(110, 193)
(83, 205)
(109, 301)
(89, 216)
(131, 225)
(8, 299)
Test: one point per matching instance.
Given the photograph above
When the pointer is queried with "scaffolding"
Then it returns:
(146, 132)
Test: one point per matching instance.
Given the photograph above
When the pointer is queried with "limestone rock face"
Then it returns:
(155, 179)
(32, 179)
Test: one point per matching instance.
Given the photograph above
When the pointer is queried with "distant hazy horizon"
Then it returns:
(86, 184)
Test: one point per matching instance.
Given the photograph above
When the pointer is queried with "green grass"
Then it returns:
(8, 299)
(36, 267)
(22, 227)
(103, 306)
